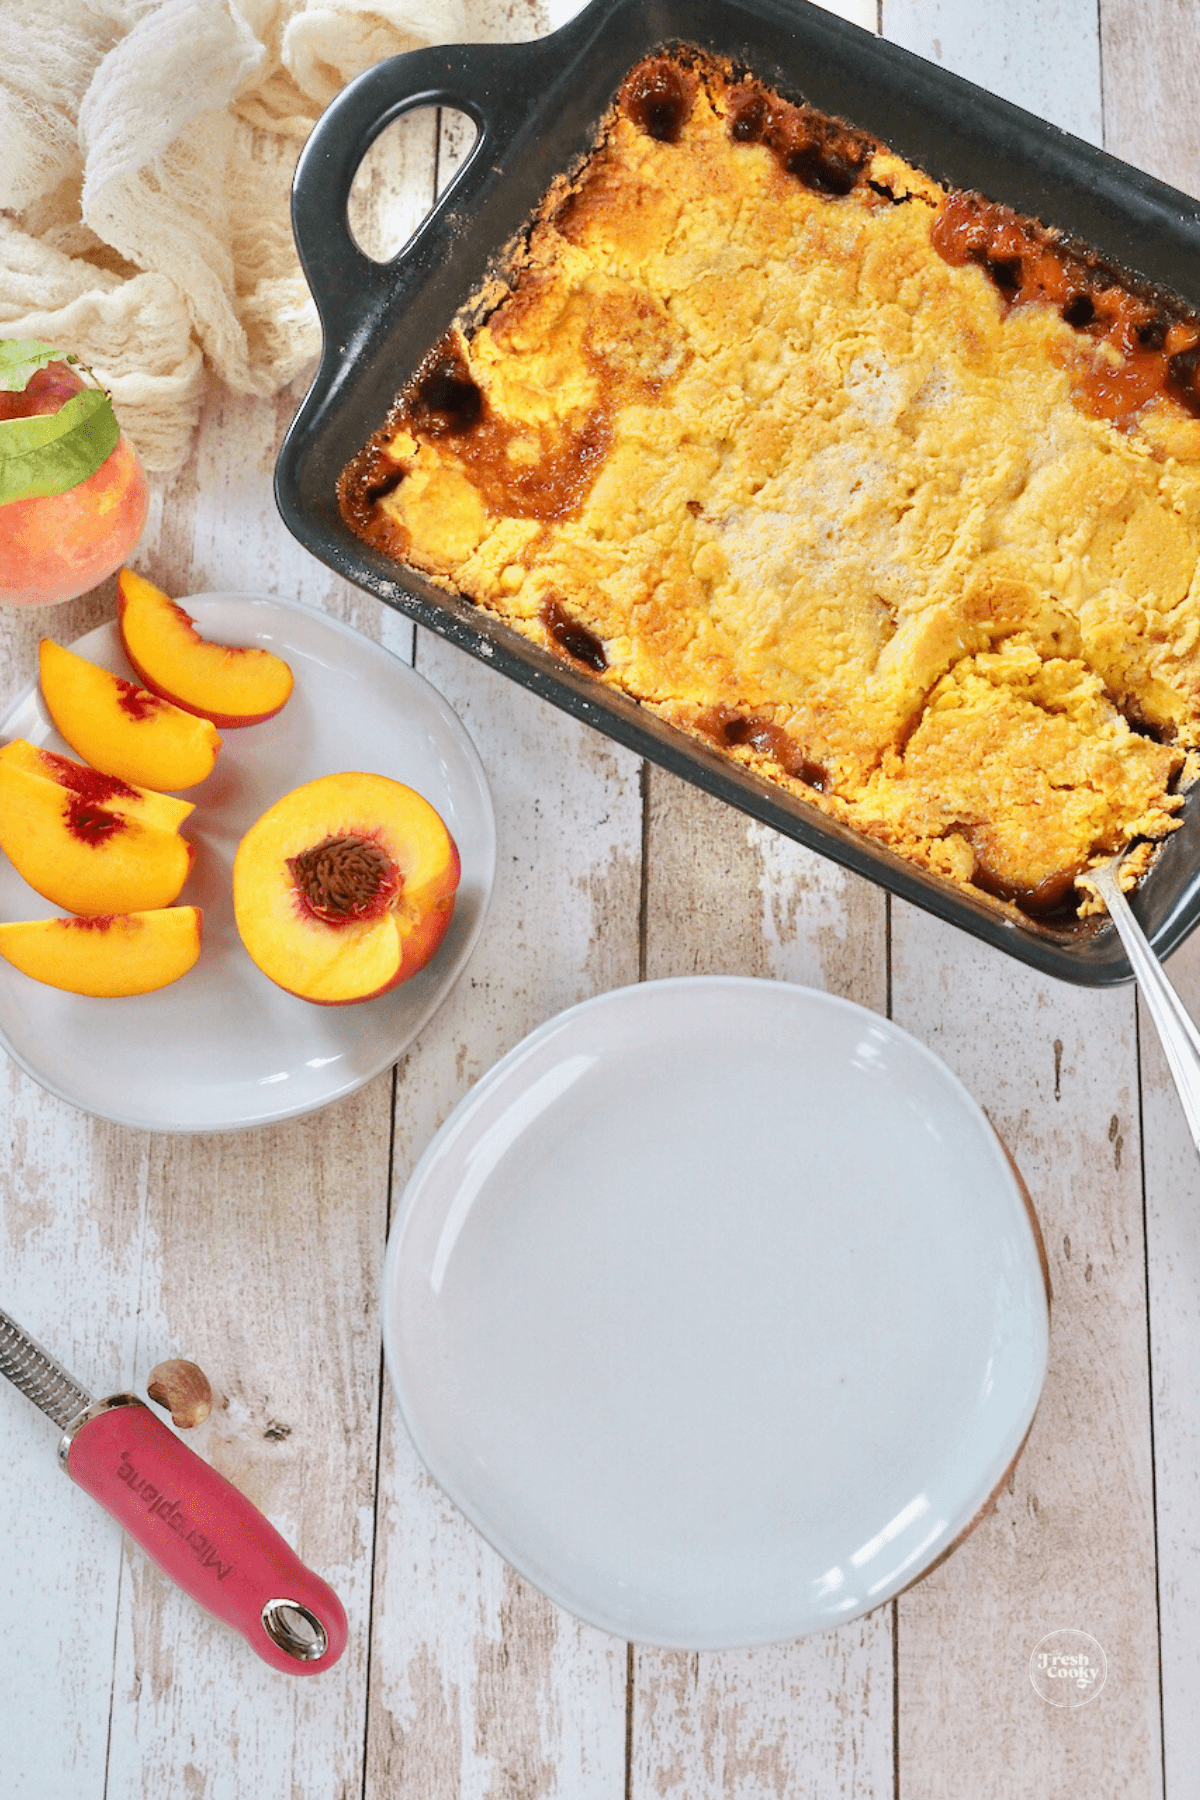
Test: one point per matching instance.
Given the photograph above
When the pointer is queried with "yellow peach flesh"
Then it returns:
(121, 729)
(131, 953)
(82, 856)
(163, 810)
(230, 685)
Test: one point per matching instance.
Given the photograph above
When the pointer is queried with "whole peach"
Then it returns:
(60, 545)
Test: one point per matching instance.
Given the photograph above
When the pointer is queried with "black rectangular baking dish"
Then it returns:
(537, 107)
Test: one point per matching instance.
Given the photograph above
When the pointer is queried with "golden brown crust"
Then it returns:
(777, 437)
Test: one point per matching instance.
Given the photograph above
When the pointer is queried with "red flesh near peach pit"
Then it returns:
(89, 784)
(136, 701)
(89, 823)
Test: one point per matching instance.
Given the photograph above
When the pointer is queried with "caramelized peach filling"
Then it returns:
(576, 640)
(1157, 345)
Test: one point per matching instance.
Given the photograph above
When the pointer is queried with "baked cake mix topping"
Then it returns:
(890, 494)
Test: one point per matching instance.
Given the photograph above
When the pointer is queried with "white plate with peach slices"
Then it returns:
(368, 800)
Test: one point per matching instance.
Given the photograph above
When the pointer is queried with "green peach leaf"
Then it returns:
(52, 452)
(22, 357)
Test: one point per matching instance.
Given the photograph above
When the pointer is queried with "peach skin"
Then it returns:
(55, 546)
(227, 684)
(345, 887)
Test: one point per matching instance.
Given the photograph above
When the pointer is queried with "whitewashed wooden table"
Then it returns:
(259, 1255)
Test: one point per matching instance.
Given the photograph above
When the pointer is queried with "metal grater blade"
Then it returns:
(38, 1376)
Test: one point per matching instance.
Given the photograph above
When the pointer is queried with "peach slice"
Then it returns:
(82, 855)
(121, 729)
(130, 953)
(163, 810)
(231, 686)
(345, 887)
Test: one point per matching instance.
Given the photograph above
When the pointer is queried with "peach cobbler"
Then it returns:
(891, 494)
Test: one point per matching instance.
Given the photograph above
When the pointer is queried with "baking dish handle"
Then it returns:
(489, 82)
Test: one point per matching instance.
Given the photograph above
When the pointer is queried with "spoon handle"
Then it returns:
(1177, 1033)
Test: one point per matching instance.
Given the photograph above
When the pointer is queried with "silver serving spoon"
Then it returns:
(1178, 1035)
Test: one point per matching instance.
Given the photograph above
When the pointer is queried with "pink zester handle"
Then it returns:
(202, 1531)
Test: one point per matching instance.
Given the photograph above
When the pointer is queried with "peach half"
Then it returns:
(85, 853)
(131, 953)
(345, 887)
(229, 685)
(121, 729)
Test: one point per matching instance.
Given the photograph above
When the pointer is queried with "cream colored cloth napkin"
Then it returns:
(148, 153)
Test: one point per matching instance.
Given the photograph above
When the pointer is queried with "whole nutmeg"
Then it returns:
(183, 1389)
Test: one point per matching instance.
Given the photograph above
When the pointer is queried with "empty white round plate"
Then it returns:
(717, 1308)
(224, 1047)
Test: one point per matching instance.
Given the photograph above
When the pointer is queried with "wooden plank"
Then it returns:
(289, 1330)
(126, 1248)
(806, 1718)
(1041, 54)
(395, 184)
(1151, 58)
(221, 532)
(293, 1374)
(1151, 61)
(438, 1695)
(811, 1718)
(258, 1257)
(1071, 1542)
(70, 1276)
(260, 1262)
(728, 896)
(1172, 1173)
(193, 1711)
(725, 895)
(479, 1686)
(72, 1252)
